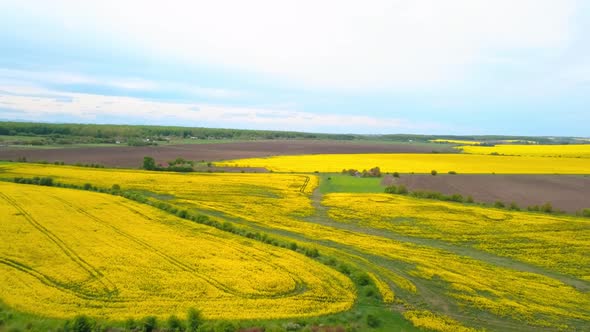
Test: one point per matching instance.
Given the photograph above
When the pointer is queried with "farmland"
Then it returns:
(130, 157)
(444, 266)
(557, 150)
(136, 260)
(419, 163)
(565, 192)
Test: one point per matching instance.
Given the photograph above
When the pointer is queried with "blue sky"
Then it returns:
(378, 67)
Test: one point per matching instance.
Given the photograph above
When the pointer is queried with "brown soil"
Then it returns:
(569, 193)
(125, 156)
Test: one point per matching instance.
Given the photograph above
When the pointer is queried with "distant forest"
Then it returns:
(50, 133)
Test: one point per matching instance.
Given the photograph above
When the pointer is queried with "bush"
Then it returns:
(469, 199)
(452, 172)
(395, 174)
(344, 269)
(149, 163)
(456, 198)
(224, 326)
(174, 324)
(584, 213)
(362, 279)
(82, 324)
(499, 205)
(427, 194)
(373, 321)
(116, 187)
(313, 253)
(193, 320)
(46, 181)
(402, 190)
(130, 324)
(514, 206)
(433, 172)
(149, 324)
(547, 208)
(87, 186)
(388, 190)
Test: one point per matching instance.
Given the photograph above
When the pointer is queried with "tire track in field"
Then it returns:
(109, 288)
(300, 285)
(304, 186)
(173, 261)
(71, 288)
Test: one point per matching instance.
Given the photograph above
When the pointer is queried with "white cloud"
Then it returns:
(33, 103)
(125, 83)
(329, 44)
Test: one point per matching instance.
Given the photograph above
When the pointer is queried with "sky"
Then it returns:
(457, 67)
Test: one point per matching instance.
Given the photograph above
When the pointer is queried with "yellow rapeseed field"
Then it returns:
(455, 141)
(419, 163)
(558, 243)
(403, 244)
(67, 252)
(533, 150)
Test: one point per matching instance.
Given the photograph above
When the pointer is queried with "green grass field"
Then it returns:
(344, 183)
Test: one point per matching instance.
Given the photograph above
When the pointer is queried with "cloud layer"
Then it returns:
(33, 103)
(471, 66)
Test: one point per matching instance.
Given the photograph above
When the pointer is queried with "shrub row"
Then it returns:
(194, 322)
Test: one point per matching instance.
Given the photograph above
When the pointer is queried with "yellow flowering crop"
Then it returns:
(533, 150)
(436, 256)
(428, 320)
(559, 243)
(67, 252)
(419, 163)
(456, 141)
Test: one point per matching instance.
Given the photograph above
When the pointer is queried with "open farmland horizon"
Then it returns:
(294, 166)
(394, 248)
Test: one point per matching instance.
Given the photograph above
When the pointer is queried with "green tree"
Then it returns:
(149, 324)
(402, 190)
(149, 163)
(193, 320)
(82, 324)
(547, 208)
(499, 205)
(174, 324)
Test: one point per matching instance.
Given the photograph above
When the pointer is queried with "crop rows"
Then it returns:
(449, 266)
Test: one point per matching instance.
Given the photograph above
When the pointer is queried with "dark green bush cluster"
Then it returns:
(92, 165)
(42, 181)
(193, 321)
(400, 190)
(177, 165)
(374, 172)
(545, 208)
(583, 213)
